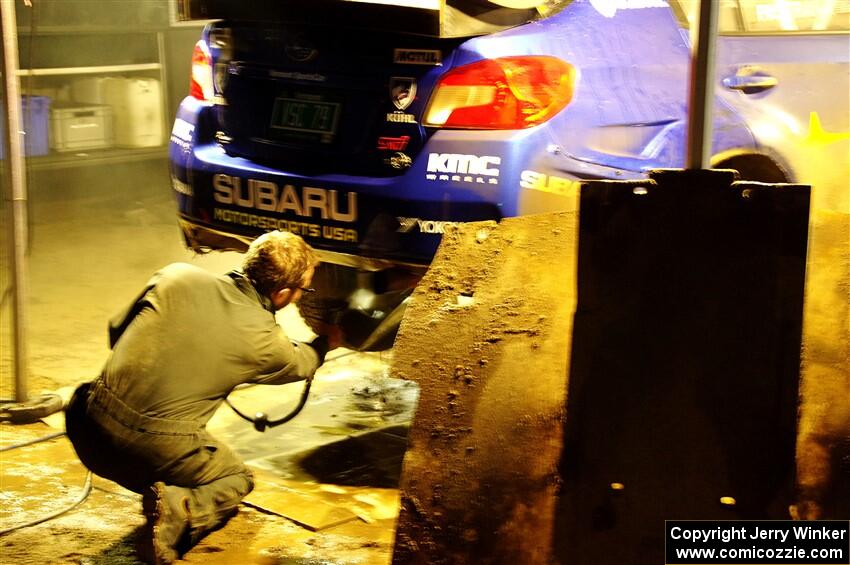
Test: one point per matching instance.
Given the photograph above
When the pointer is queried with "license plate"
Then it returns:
(305, 115)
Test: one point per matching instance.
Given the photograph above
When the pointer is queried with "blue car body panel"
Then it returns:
(627, 116)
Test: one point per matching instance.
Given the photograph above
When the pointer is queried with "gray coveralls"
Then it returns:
(177, 351)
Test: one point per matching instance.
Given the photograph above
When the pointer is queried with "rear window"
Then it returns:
(477, 17)
(774, 16)
(441, 18)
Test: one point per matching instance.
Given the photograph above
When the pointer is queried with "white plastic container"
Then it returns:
(75, 127)
(88, 90)
(136, 107)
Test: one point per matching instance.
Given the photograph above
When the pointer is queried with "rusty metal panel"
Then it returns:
(681, 368)
(686, 351)
(487, 338)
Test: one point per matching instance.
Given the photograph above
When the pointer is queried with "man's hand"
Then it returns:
(332, 332)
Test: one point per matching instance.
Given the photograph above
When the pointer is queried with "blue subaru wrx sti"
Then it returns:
(368, 127)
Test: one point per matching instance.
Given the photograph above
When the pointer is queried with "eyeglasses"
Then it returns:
(306, 289)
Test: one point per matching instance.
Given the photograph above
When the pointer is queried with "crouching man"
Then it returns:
(177, 351)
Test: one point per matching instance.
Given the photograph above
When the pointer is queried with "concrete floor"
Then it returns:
(327, 481)
(96, 240)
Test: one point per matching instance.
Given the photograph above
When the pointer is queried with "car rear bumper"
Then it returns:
(224, 201)
(202, 239)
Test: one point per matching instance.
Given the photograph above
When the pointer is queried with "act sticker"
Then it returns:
(417, 57)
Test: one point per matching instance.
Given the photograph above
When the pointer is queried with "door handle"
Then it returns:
(750, 84)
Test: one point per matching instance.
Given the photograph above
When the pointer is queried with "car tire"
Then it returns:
(330, 304)
(327, 304)
(755, 167)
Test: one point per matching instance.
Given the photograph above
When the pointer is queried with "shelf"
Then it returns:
(88, 29)
(61, 71)
(87, 40)
(95, 157)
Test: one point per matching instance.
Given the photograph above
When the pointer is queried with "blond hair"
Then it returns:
(277, 260)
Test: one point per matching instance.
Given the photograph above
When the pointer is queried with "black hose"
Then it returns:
(261, 419)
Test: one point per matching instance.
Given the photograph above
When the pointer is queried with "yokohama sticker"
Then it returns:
(406, 225)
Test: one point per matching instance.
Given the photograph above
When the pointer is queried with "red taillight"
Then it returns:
(503, 93)
(201, 83)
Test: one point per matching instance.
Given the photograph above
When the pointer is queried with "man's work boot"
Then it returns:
(167, 511)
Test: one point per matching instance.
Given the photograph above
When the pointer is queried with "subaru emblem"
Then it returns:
(300, 49)
(402, 91)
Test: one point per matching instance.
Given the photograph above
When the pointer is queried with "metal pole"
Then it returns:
(18, 190)
(702, 88)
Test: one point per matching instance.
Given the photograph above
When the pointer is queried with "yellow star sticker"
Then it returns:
(817, 135)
